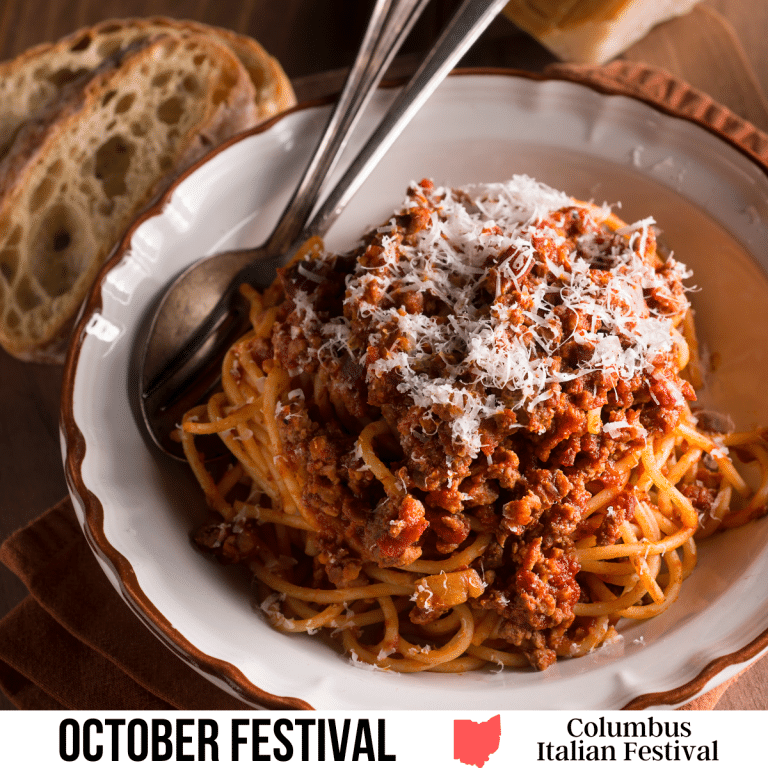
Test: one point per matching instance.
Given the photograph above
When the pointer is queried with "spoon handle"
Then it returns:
(464, 28)
(389, 25)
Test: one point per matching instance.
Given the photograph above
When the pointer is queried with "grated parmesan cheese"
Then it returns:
(498, 344)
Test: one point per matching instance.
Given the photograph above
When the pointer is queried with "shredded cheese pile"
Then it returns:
(495, 257)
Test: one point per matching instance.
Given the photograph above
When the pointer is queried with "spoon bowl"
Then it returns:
(188, 302)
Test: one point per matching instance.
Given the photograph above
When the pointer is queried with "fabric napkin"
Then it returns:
(74, 644)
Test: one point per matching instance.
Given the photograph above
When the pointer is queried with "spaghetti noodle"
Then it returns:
(469, 441)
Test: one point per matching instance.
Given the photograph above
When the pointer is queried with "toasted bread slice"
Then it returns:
(79, 173)
(33, 80)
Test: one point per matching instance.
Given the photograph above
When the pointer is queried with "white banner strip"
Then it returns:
(418, 739)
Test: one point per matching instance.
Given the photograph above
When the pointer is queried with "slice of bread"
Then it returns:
(80, 171)
(591, 31)
(33, 80)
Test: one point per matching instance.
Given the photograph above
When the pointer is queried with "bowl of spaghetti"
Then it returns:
(485, 427)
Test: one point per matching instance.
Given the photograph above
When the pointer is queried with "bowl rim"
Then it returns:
(655, 88)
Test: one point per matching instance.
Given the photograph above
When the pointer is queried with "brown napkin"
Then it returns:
(74, 644)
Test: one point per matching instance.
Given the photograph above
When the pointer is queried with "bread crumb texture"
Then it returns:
(111, 115)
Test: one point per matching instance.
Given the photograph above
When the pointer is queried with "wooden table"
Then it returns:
(722, 48)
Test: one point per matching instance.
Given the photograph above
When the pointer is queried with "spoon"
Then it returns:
(200, 316)
(201, 313)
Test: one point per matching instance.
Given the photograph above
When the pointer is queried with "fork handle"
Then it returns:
(464, 28)
(389, 25)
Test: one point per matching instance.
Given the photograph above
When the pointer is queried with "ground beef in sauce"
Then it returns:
(476, 439)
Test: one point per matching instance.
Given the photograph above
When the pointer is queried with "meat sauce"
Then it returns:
(484, 346)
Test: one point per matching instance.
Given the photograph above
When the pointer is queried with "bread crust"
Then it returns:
(46, 94)
(32, 81)
(63, 241)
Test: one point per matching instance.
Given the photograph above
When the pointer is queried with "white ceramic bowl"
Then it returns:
(138, 508)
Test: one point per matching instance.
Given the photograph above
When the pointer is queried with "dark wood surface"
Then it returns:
(721, 48)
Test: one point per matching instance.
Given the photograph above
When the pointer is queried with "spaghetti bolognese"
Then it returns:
(469, 440)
